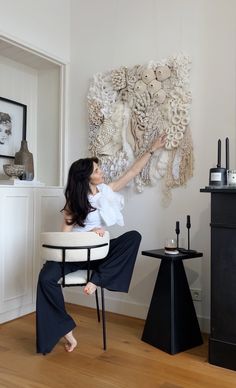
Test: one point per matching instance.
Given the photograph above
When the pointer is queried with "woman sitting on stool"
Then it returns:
(90, 205)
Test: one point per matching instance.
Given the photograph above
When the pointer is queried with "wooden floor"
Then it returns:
(127, 363)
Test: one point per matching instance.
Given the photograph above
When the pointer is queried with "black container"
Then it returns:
(218, 176)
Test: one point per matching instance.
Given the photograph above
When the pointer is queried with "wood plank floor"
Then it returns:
(127, 363)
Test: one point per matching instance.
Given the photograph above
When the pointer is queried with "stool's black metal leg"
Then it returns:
(97, 305)
(103, 320)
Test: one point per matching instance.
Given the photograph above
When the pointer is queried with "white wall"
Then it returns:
(43, 25)
(108, 33)
(48, 126)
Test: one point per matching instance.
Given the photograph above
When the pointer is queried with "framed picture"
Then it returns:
(13, 116)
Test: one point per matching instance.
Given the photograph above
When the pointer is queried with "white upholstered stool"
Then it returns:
(77, 247)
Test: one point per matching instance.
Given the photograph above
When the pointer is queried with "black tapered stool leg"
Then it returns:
(97, 305)
(103, 320)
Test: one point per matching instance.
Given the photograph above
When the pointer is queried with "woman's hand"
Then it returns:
(158, 143)
(99, 231)
(138, 165)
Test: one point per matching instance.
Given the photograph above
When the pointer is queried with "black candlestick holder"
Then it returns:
(188, 226)
(177, 231)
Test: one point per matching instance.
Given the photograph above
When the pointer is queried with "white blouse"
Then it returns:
(108, 205)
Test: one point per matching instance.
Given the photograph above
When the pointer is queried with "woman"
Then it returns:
(90, 205)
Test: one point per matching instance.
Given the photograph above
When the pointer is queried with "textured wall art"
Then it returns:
(129, 107)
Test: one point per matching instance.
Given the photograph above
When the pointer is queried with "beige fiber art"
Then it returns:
(129, 107)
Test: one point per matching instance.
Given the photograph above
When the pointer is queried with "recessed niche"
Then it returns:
(37, 81)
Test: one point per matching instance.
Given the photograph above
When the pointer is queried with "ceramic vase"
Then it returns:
(25, 157)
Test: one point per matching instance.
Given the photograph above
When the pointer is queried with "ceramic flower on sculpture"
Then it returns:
(162, 73)
(148, 75)
(129, 107)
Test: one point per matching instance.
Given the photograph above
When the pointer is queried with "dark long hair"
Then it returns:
(77, 204)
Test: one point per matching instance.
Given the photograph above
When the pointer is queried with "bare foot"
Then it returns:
(71, 342)
(90, 288)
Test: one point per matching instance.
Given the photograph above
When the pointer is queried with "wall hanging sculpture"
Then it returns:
(129, 107)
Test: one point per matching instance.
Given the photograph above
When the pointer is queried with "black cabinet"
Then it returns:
(222, 341)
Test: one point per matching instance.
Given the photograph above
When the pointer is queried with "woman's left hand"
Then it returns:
(138, 165)
(158, 143)
(99, 231)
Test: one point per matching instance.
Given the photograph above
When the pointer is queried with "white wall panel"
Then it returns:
(16, 248)
(48, 218)
(24, 213)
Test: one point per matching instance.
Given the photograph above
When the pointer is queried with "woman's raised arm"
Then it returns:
(138, 165)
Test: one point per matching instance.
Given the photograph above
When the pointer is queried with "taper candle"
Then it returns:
(227, 153)
(219, 154)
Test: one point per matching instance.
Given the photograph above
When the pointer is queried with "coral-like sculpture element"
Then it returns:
(95, 113)
(140, 87)
(154, 87)
(129, 107)
(118, 78)
(162, 73)
(148, 75)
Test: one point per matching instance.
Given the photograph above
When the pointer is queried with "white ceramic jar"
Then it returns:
(231, 177)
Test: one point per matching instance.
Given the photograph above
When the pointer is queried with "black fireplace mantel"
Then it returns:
(220, 189)
(222, 341)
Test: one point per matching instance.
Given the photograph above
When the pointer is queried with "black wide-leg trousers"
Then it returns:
(113, 273)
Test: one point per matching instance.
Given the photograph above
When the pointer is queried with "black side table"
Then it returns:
(171, 323)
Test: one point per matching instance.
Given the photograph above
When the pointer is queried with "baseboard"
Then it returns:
(112, 304)
(16, 313)
(204, 323)
(123, 307)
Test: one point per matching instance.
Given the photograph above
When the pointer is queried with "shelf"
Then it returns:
(220, 189)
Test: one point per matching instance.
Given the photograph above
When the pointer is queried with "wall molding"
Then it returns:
(30, 48)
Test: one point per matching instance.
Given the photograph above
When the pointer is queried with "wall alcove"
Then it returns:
(38, 81)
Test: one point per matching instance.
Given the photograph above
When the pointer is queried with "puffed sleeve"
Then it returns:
(110, 205)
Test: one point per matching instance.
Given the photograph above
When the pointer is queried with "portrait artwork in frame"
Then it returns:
(13, 116)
